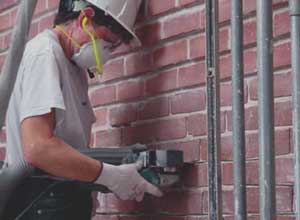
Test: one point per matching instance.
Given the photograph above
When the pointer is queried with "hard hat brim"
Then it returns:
(135, 41)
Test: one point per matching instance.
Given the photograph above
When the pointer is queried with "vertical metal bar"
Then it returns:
(295, 38)
(213, 111)
(265, 110)
(238, 110)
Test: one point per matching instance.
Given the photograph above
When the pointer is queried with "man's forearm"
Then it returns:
(59, 159)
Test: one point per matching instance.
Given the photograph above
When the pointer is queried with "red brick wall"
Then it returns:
(156, 95)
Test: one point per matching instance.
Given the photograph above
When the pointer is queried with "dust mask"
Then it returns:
(85, 58)
(88, 57)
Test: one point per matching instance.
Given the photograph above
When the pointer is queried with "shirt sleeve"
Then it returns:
(41, 87)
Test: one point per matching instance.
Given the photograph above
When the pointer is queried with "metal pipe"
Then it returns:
(213, 111)
(295, 44)
(238, 132)
(13, 59)
(265, 110)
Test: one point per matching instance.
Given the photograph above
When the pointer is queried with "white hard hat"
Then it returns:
(123, 11)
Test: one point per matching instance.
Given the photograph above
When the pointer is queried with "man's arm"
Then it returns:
(47, 152)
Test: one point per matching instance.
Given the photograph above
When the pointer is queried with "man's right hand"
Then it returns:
(126, 182)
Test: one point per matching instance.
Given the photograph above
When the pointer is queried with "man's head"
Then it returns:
(82, 22)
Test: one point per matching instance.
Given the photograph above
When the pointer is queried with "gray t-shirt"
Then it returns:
(47, 79)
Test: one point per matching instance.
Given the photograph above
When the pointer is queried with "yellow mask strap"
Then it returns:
(60, 28)
(96, 52)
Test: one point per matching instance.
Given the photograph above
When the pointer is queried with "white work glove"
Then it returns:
(125, 182)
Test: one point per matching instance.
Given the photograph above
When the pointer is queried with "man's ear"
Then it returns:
(87, 12)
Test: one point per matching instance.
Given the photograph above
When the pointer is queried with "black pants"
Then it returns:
(58, 201)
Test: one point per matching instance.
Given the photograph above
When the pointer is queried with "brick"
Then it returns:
(13, 16)
(188, 199)
(122, 115)
(225, 67)
(7, 4)
(197, 47)
(33, 30)
(173, 201)
(179, 202)
(227, 203)
(108, 138)
(187, 2)
(106, 217)
(183, 202)
(103, 95)
(138, 63)
(224, 10)
(196, 218)
(251, 118)
(110, 204)
(40, 7)
(191, 149)
(279, 1)
(53, 4)
(93, 81)
(5, 41)
(282, 83)
(284, 170)
(253, 199)
(195, 175)
(222, 121)
(284, 199)
(188, 102)
(249, 32)
(282, 55)
(169, 217)
(196, 124)
(224, 40)
(2, 153)
(154, 108)
(249, 6)
(155, 131)
(287, 217)
(130, 90)
(252, 173)
(283, 114)
(46, 22)
(113, 70)
(281, 23)
(170, 54)
(101, 117)
(250, 62)
(184, 23)
(150, 34)
(192, 75)
(155, 7)
(163, 82)
(226, 94)
(226, 148)
(282, 145)
(203, 149)
(5, 21)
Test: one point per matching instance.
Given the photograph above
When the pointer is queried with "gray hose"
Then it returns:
(11, 176)
(13, 59)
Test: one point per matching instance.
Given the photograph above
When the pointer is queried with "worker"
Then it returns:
(50, 116)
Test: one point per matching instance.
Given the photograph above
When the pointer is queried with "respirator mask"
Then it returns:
(91, 56)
